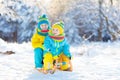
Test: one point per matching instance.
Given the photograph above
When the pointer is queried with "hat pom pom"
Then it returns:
(44, 16)
(61, 22)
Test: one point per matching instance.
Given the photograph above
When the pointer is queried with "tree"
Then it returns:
(101, 21)
(18, 22)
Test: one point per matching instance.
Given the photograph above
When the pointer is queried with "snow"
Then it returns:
(91, 61)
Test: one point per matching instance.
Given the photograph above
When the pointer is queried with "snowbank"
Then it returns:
(99, 61)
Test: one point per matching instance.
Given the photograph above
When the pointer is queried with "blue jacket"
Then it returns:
(56, 47)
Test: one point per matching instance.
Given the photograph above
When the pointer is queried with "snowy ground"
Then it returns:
(100, 61)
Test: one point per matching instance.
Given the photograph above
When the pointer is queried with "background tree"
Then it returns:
(85, 20)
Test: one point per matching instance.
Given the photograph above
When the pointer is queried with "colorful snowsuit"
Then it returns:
(56, 50)
(38, 41)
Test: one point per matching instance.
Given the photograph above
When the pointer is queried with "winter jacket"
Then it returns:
(56, 47)
(38, 40)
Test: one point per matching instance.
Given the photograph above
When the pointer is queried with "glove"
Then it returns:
(70, 57)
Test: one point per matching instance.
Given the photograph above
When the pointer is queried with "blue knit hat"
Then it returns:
(43, 20)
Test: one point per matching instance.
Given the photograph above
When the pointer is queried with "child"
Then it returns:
(56, 49)
(38, 41)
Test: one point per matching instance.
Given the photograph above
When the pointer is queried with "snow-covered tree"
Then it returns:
(18, 20)
(89, 20)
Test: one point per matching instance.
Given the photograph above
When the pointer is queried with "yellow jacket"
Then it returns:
(37, 41)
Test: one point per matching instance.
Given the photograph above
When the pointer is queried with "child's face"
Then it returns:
(44, 26)
(55, 31)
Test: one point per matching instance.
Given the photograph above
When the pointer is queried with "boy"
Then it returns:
(56, 50)
(38, 41)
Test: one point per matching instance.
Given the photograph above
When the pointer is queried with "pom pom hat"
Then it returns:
(43, 20)
(59, 26)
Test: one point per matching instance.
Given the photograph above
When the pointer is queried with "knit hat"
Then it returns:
(59, 26)
(43, 20)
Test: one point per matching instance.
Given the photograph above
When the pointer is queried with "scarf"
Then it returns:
(58, 38)
(42, 32)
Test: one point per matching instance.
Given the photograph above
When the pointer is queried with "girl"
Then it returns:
(38, 41)
(56, 50)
